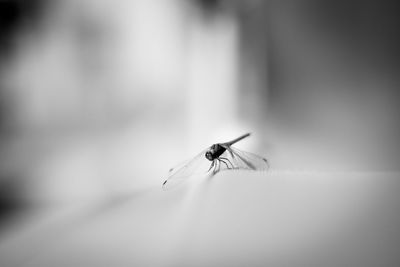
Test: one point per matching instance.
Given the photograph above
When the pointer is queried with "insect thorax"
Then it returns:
(214, 152)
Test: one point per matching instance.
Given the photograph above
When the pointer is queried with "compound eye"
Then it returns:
(208, 155)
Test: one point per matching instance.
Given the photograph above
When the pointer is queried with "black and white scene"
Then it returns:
(199, 133)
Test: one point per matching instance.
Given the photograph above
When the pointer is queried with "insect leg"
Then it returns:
(228, 161)
(221, 160)
(217, 166)
(211, 166)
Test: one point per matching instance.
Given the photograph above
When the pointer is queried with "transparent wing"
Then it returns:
(234, 158)
(198, 165)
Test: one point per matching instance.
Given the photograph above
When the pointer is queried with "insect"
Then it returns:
(220, 156)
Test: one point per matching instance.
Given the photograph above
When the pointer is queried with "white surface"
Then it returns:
(234, 219)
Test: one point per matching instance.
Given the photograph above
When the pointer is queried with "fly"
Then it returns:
(220, 156)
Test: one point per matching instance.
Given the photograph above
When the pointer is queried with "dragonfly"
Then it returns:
(213, 159)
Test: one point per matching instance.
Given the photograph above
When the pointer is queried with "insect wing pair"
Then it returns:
(231, 159)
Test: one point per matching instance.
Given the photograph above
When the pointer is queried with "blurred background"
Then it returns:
(98, 99)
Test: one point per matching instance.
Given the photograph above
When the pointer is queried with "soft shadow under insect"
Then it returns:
(209, 176)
